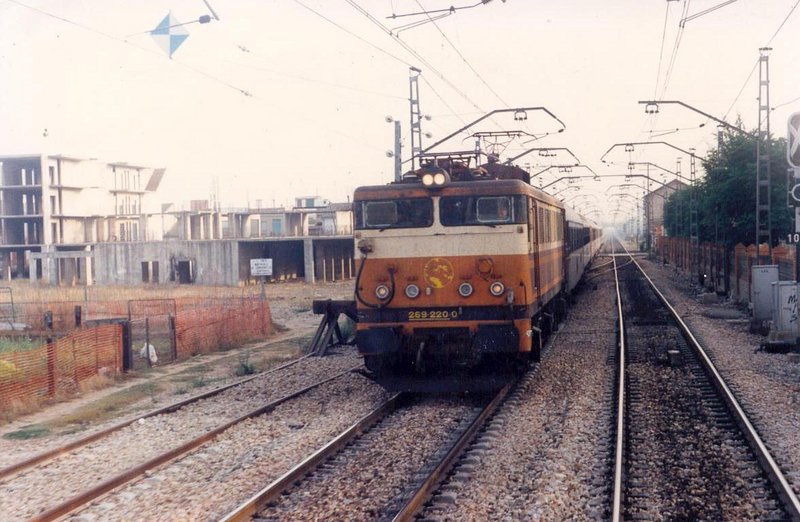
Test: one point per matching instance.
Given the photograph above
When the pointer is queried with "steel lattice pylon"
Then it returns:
(763, 196)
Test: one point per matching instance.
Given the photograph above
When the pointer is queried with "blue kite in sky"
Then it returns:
(169, 34)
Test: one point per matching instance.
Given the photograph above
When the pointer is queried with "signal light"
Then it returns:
(497, 288)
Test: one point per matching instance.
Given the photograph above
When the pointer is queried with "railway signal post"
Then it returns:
(793, 157)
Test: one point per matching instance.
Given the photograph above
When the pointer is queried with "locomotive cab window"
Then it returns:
(400, 213)
(494, 210)
(482, 210)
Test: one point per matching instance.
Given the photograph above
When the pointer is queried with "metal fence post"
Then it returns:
(51, 355)
(51, 367)
(127, 348)
(147, 341)
(173, 337)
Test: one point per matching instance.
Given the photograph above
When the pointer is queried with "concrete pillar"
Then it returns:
(31, 268)
(69, 273)
(88, 271)
(308, 259)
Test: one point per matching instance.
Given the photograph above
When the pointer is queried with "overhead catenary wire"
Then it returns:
(755, 65)
(786, 103)
(384, 29)
(705, 12)
(661, 51)
(127, 42)
(354, 35)
(428, 66)
(674, 57)
(184, 65)
(464, 59)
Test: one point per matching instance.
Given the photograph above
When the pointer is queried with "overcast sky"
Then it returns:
(283, 98)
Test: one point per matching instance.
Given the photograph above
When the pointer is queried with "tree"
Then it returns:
(726, 195)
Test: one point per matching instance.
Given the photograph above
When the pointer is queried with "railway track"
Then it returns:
(83, 441)
(58, 481)
(385, 466)
(685, 448)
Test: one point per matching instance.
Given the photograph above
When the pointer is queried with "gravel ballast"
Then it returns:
(37, 489)
(214, 479)
(544, 456)
(766, 384)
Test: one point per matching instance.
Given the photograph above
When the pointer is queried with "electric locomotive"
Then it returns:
(458, 267)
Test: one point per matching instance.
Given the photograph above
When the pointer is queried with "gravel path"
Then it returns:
(370, 479)
(544, 457)
(214, 479)
(767, 385)
(37, 489)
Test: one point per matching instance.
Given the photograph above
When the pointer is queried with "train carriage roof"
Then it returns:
(488, 187)
(574, 217)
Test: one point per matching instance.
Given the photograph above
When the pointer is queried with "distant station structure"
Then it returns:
(76, 221)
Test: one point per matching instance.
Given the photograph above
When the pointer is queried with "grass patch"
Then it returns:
(106, 407)
(245, 367)
(19, 345)
(33, 431)
(18, 407)
(195, 368)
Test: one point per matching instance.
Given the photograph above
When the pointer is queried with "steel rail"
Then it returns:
(87, 496)
(250, 507)
(768, 464)
(53, 453)
(616, 511)
(417, 500)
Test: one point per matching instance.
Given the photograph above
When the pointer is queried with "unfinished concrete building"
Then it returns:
(53, 208)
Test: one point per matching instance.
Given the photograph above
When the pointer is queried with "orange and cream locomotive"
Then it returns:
(458, 267)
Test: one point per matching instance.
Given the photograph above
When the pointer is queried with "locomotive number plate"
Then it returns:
(432, 315)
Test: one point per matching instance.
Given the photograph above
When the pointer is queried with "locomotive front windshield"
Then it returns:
(482, 210)
(395, 213)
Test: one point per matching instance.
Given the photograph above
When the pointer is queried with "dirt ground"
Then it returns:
(135, 393)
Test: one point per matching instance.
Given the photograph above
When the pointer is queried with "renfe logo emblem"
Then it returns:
(438, 272)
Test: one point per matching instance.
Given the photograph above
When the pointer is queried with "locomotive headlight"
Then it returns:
(465, 289)
(497, 288)
(381, 292)
(439, 178)
(427, 180)
(412, 291)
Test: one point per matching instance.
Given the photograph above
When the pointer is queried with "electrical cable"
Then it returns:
(460, 55)
(413, 52)
(705, 12)
(314, 80)
(661, 51)
(674, 57)
(785, 103)
(182, 64)
(387, 53)
(755, 66)
(122, 40)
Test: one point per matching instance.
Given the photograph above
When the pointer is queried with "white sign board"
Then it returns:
(793, 143)
(261, 267)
